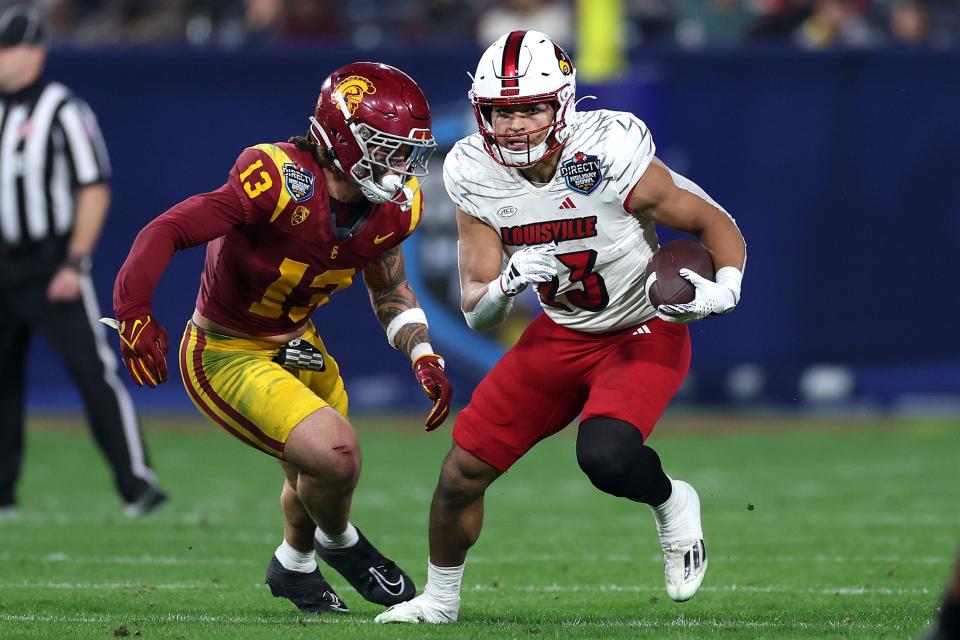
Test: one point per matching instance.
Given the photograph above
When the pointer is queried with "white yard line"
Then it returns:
(65, 558)
(678, 623)
(90, 586)
(725, 558)
(730, 588)
(533, 559)
(549, 588)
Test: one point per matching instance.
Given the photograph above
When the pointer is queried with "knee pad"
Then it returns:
(612, 454)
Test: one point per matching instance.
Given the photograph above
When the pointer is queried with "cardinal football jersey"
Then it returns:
(269, 273)
(602, 249)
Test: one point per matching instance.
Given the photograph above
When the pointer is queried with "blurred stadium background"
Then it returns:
(834, 153)
(829, 129)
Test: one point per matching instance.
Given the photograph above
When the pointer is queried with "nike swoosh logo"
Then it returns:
(378, 239)
(386, 584)
(336, 603)
(135, 331)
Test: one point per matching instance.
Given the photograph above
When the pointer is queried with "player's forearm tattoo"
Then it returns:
(391, 295)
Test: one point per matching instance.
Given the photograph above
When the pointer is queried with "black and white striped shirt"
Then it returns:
(50, 146)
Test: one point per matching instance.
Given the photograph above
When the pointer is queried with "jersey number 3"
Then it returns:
(593, 296)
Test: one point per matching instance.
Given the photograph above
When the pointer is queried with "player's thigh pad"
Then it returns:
(534, 391)
(639, 373)
(235, 383)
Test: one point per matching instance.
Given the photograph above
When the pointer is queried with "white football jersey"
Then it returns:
(602, 249)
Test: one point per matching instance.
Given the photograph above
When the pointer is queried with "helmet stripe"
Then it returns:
(511, 62)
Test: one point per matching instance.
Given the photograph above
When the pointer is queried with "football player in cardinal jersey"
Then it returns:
(571, 199)
(295, 223)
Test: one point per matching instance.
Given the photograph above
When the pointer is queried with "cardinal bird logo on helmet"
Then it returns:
(563, 60)
(353, 89)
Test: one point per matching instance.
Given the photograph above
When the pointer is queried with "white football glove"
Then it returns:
(531, 264)
(711, 299)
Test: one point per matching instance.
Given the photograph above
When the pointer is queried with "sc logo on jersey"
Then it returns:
(582, 173)
(299, 182)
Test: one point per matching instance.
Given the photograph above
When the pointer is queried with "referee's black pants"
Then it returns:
(72, 329)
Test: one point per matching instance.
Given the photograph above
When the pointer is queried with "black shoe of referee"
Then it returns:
(373, 575)
(148, 501)
(309, 591)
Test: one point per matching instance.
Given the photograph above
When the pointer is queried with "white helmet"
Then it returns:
(524, 67)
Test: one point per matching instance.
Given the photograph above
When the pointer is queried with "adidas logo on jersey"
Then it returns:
(568, 203)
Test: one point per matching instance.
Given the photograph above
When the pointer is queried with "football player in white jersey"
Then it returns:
(571, 199)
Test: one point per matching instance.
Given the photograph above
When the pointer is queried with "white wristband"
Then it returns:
(496, 294)
(730, 277)
(410, 316)
(491, 310)
(421, 349)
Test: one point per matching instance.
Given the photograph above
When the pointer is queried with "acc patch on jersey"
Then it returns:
(299, 182)
(582, 172)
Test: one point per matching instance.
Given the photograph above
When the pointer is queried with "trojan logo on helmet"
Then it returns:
(352, 90)
(372, 122)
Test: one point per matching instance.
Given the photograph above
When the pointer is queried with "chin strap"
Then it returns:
(530, 156)
(577, 102)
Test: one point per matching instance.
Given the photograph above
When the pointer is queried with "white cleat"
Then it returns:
(681, 538)
(420, 609)
(684, 565)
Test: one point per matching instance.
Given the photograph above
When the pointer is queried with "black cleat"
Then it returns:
(373, 575)
(309, 591)
(151, 498)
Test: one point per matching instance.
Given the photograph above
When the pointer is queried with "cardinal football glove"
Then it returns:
(429, 371)
(143, 345)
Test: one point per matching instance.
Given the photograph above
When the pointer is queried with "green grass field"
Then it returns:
(816, 530)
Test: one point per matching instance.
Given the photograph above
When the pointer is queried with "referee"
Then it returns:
(53, 201)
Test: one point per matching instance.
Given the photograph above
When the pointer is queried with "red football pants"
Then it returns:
(553, 374)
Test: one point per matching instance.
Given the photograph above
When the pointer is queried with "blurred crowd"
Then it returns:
(372, 23)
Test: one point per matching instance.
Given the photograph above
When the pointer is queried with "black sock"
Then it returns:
(612, 454)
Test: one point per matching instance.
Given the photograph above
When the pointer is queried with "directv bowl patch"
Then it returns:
(582, 172)
(299, 182)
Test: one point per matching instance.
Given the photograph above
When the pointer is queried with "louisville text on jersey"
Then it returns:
(549, 231)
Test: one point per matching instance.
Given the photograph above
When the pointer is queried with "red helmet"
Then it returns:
(374, 122)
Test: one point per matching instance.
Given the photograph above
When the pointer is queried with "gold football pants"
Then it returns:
(235, 383)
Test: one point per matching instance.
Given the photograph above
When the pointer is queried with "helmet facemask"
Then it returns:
(390, 162)
(552, 141)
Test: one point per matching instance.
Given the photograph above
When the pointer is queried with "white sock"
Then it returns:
(673, 516)
(443, 584)
(665, 510)
(344, 540)
(665, 514)
(293, 560)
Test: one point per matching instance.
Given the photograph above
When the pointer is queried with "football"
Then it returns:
(668, 286)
